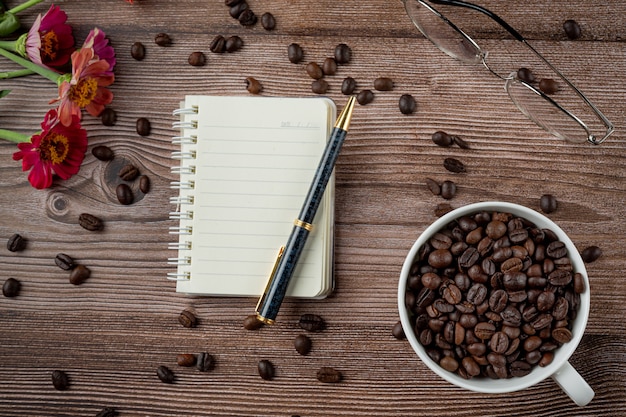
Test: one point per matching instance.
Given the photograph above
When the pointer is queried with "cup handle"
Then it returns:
(573, 384)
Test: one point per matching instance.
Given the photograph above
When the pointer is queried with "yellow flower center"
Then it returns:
(54, 148)
(83, 92)
(49, 46)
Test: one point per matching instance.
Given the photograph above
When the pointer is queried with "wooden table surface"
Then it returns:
(111, 333)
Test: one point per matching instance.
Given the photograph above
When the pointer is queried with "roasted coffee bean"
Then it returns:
(144, 184)
(79, 274)
(60, 380)
(64, 261)
(365, 97)
(579, 283)
(237, 9)
(477, 294)
(520, 368)
(90, 222)
(295, 53)
(448, 189)
(107, 412)
(449, 363)
(328, 375)
(253, 85)
(453, 165)
(343, 54)
(266, 369)
(433, 186)
(329, 66)
(11, 288)
(197, 59)
(348, 86)
(441, 138)
(572, 29)
(165, 374)
(560, 277)
(562, 334)
(549, 86)
(556, 249)
(108, 117)
(548, 203)
(218, 45)
(591, 254)
(314, 70)
(440, 258)
(524, 74)
(247, 18)
(143, 126)
(312, 322)
(498, 300)
(383, 84)
(124, 194)
(252, 322)
(268, 21)
(187, 319)
(233, 44)
(440, 241)
(16, 243)
(452, 294)
(231, 3)
(138, 51)
(205, 362)
(469, 257)
(186, 359)
(442, 209)
(461, 143)
(128, 172)
(162, 39)
(102, 152)
(319, 86)
(398, 331)
(302, 344)
(407, 104)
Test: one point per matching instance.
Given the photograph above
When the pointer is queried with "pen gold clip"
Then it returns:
(269, 282)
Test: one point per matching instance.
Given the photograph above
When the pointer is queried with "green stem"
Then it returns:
(13, 136)
(15, 74)
(44, 72)
(24, 6)
(8, 45)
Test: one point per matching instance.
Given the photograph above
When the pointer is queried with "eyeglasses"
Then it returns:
(536, 87)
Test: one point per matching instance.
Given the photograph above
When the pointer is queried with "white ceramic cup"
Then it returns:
(559, 370)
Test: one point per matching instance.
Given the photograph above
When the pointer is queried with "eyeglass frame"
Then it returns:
(591, 138)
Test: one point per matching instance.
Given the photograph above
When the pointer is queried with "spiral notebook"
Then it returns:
(245, 165)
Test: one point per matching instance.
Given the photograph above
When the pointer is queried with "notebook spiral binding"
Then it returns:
(185, 169)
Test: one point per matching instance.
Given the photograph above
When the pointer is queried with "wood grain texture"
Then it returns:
(112, 332)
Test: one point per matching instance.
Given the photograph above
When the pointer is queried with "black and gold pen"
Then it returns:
(272, 298)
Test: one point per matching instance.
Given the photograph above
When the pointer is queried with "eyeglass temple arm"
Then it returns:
(484, 11)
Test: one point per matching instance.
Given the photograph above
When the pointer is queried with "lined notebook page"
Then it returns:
(255, 159)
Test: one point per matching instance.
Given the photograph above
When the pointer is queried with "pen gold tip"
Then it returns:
(343, 121)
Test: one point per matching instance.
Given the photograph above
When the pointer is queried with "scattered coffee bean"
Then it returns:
(460, 142)
(138, 51)
(295, 53)
(591, 254)
(247, 18)
(268, 21)
(383, 84)
(312, 322)
(319, 86)
(144, 184)
(187, 319)
(302, 343)
(343, 54)
(124, 194)
(524, 74)
(108, 117)
(253, 86)
(442, 209)
(79, 274)
(453, 165)
(143, 126)
(328, 375)
(407, 104)
(548, 86)
(433, 186)
(348, 86)
(205, 362)
(237, 9)
(102, 152)
(60, 380)
(63, 261)
(329, 66)
(163, 39)
(218, 45)
(16, 243)
(11, 288)
(365, 97)
(548, 203)
(266, 369)
(128, 172)
(186, 359)
(165, 374)
(231, 3)
(314, 70)
(448, 189)
(233, 44)
(252, 322)
(90, 222)
(197, 59)
(441, 138)
(398, 331)
(107, 412)
(572, 29)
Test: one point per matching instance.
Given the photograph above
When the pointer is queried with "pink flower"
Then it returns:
(98, 41)
(58, 149)
(87, 87)
(49, 41)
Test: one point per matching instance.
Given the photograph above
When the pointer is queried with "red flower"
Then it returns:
(98, 41)
(58, 149)
(49, 41)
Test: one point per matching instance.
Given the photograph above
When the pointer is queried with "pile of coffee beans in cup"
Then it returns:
(493, 295)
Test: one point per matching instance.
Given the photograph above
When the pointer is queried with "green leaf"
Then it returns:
(9, 23)
(4, 93)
